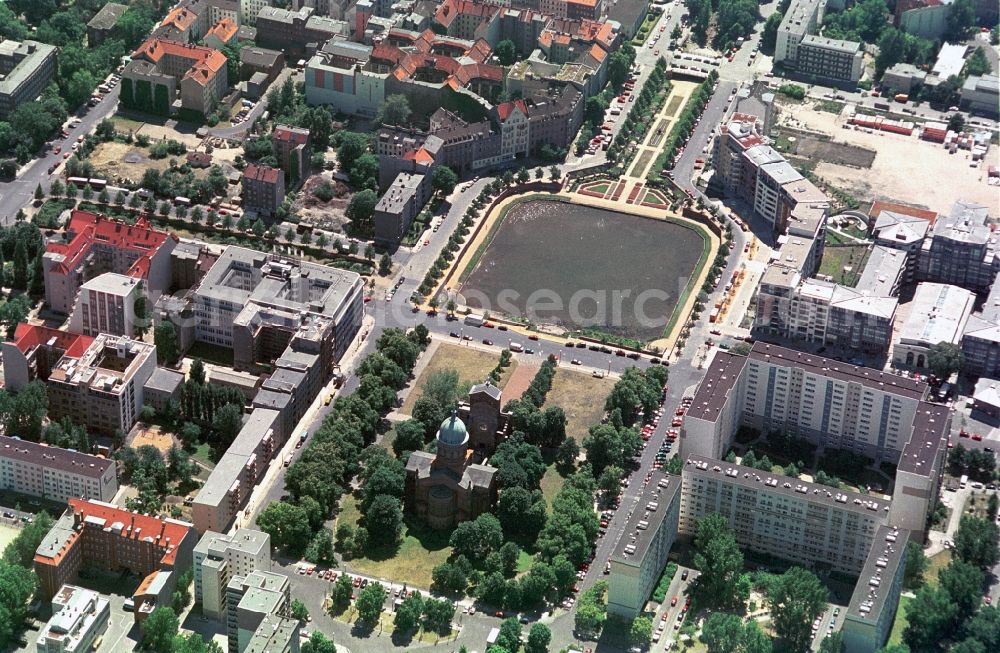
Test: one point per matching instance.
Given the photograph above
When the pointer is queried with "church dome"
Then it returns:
(452, 431)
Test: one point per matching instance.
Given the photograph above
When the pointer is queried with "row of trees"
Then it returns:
(17, 580)
(733, 19)
(977, 463)
(639, 118)
(951, 610)
(320, 476)
(682, 128)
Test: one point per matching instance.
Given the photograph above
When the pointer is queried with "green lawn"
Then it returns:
(411, 562)
(935, 564)
(899, 625)
(203, 454)
(551, 483)
(835, 259)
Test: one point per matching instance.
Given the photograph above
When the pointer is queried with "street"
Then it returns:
(16, 194)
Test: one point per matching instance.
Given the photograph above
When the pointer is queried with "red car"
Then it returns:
(679, 411)
(675, 422)
(673, 602)
(532, 337)
(977, 437)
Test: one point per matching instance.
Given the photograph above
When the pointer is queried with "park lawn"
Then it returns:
(581, 396)
(935, 564)
(551, 483)
(203, 454)
(524, 561)
(653, 198)
(899, 625)
(472, 365)
(420, 550)
(836, 258)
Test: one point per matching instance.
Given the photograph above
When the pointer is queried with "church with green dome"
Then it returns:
(456, 483)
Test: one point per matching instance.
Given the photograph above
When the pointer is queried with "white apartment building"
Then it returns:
(218, 558)
(106, 304)
(785, 517)
(79, 616)
(938, 313)
(641, 553)
(802, 18)
(52, 473)
(249, 10)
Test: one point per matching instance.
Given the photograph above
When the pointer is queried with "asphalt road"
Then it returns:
(18, 193)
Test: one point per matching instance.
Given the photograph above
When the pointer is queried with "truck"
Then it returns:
(474, 319)
(902, 98)
(962, 482)
(491, 639)
(882, 106)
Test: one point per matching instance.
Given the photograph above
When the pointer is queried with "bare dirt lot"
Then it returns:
(904, 168)
(153, 436)
(114, 160)
(581, 396)
(809, 147)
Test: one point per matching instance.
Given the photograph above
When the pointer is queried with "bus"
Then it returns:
(474, 319)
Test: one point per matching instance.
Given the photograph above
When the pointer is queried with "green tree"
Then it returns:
(384, 520)
(610, 482)
(796, 598)
(977, 63)
(299, 610)
(159, 630)
(21, 550)
(318, 643)
(769, 35)
(409, 438)
(505, 52)
(341, 592)
(20, 264)
(976, 541)
(360, 210)
(964, 584)
(722, 632)
(165, 341)
(352, 146)
(640, 633)
(929, 617)
(960, 20)
(369, 603)
(385, 265)
(408, 613)
(916, 565)
(444, 179)
(538, 639)
(833, 643)
(478, 538)
(945, 358)
(395, 110)
(287, 524)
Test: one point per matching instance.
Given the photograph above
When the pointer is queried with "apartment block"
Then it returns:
(801, 19)
(250, 600)
(34, 351)
(833, 404)
(263, 190)
(106, 536)
(873, 605)
(938, 313)
(102, 25)
(285, 30)
(162, 387)
(199, 72)
(981, 94)
(93, 245)
(641, 553)
(218, 558)
(788, 518)
(79, 617)
(402, 201)
(237, 473)
(52, 473)
(293, 149)
(106, 304)
(961, 249)
(902, 232)
(102, 387)
(832, 59)
(25, 71)
(275, 634)
(981, 340)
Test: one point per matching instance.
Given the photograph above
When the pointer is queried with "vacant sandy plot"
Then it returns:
(905, 168)
(581, 396)
(473, 366)
(114, 160)
(7, 535)
(153, 437)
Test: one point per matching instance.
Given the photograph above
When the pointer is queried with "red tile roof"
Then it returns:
(224, 30)
(287, 134)
(165, 533)
(88, 228)
(27, 336)
(265, 174)
(504, 109)
(181, 18)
